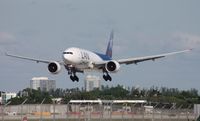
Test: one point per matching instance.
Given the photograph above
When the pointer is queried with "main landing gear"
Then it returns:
(72, 73)
(74, 78)
(107, 77)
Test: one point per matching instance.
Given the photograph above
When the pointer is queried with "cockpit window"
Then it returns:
(68, 53)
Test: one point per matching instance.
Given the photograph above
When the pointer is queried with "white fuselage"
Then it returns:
(80, 58)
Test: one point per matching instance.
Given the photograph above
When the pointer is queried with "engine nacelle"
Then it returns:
(54, 67)
(112, 66)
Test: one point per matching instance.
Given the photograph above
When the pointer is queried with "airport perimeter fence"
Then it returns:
(95, 112)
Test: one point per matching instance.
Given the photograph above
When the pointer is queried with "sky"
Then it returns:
(45, 28)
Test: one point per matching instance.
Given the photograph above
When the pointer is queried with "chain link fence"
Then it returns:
(97, 112)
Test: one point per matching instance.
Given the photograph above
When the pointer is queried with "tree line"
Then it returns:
(153, 94)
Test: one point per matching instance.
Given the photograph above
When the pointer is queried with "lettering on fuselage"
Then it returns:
(85, 56)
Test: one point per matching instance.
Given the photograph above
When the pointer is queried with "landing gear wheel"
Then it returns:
(72, 78)
(107, 77)
(72, 72)
(76, 78)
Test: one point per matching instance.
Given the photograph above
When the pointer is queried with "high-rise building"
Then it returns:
(42, 83)
(92, 82)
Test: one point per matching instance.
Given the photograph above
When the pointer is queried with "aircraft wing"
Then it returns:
(30, 59)
(146, 58)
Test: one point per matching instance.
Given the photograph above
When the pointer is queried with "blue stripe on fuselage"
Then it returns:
(103, 57)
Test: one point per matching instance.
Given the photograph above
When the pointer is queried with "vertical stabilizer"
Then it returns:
(110, 45)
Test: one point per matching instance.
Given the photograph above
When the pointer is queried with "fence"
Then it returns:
(133, 112)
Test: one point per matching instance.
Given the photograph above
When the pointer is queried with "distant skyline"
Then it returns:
(44, 29)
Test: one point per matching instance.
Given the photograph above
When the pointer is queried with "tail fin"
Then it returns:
(110, 45)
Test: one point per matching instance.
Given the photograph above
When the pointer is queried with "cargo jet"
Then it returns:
(77, 60)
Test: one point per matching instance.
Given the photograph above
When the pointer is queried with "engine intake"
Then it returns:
(112, 66)
(54, 67)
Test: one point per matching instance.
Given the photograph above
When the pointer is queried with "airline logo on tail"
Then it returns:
(110, 45)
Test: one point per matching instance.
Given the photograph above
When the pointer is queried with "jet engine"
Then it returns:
(112, 66)
(54, 67)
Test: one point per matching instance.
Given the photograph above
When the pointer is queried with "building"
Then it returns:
(42, 83)
(92, 82)
(5, 96)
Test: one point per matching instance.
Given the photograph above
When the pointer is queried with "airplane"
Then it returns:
(78, 60)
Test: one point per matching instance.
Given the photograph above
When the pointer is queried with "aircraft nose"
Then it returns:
(66, 58)
(69, 58)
